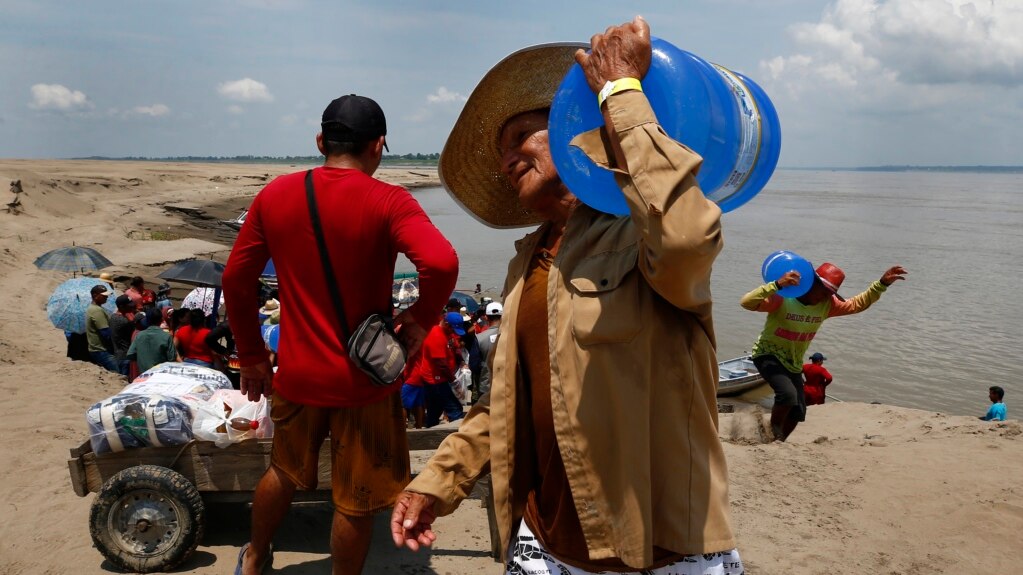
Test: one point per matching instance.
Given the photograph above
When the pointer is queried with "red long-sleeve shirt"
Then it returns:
(817, 378)
(366, 223)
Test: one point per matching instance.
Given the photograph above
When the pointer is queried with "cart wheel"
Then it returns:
(147, 518)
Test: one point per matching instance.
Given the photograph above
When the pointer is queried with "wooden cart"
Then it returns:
(149, 512)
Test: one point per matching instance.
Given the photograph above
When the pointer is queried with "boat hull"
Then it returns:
(737, 376)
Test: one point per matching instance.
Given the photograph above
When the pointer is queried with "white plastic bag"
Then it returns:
(460, 386)
(129, 420)
(213, 417)
(155, 410)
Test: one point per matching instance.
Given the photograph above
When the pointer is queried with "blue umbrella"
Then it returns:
(72, 259)
(470, 303)
(66, 306)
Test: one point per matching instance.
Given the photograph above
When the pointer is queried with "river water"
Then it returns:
(935, 341)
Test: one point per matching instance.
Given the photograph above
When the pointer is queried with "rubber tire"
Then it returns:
(168, 483)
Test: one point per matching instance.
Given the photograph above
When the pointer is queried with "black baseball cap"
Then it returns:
(353, 118)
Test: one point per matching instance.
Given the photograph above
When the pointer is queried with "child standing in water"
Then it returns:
(997, 410)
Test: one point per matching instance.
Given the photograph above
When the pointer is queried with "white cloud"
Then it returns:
(444, 96)
(235, 109)
(59, 98)
(155, 111)
(245, 90)
(876, 43)
(441, 102)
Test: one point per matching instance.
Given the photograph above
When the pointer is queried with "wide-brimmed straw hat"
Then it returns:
(271, 306)
(470, 165)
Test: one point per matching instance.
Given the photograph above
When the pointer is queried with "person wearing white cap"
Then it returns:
(97, 329)
(487, 339)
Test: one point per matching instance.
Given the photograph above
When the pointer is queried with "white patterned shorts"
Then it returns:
(528, 557)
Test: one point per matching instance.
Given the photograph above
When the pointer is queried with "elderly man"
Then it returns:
(603, 447)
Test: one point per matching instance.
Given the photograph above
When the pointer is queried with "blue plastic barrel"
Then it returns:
(721, 115)
(782, 262)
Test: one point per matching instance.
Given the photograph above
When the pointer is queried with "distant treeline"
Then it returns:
(966, 169)
(417, 159)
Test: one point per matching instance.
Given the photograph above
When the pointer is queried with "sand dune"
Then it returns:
(858, 489)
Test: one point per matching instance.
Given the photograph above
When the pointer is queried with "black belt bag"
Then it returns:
(373, 346)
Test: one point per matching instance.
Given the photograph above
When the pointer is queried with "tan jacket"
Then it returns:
(633, 367)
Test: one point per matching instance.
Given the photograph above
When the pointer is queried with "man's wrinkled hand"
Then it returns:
(620, 52)
(257, 380)
(409, 332)
(412, 519)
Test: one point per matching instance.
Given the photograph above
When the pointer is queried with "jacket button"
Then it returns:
(603, 282)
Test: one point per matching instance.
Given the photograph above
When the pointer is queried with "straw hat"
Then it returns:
(271, 306)
(106, 277)
(470, 165)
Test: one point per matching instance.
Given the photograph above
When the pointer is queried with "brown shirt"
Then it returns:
(550, 512)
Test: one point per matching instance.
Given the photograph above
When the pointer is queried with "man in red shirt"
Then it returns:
(817, 378)
(441, 351)
(317, 389)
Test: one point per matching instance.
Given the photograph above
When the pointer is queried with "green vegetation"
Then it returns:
(151, 235)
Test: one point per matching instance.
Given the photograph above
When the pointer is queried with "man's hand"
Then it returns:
(620, 52)
(409, 332)
(893, 274)
(411, 520)
(789, 279)
(257, 380)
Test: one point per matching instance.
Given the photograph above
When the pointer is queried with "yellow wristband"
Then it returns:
(619, 85)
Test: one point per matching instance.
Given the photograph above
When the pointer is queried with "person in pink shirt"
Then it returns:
(144, 298)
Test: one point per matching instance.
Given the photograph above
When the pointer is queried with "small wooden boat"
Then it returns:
(236, 224)
(737, 376)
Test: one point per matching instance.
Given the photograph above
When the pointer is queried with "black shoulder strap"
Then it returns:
(328, 269)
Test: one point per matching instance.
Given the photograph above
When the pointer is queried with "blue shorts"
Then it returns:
(412, 396)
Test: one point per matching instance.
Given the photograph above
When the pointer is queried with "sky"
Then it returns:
(855, 82)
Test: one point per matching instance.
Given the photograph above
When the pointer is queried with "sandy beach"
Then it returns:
(859, 488)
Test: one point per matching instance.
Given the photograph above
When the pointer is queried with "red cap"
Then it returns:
(832, 277)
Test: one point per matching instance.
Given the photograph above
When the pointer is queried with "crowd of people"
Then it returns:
(146, 329)
(451, 368)
(603, 450)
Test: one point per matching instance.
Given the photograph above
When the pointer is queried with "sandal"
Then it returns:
(241, 557)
